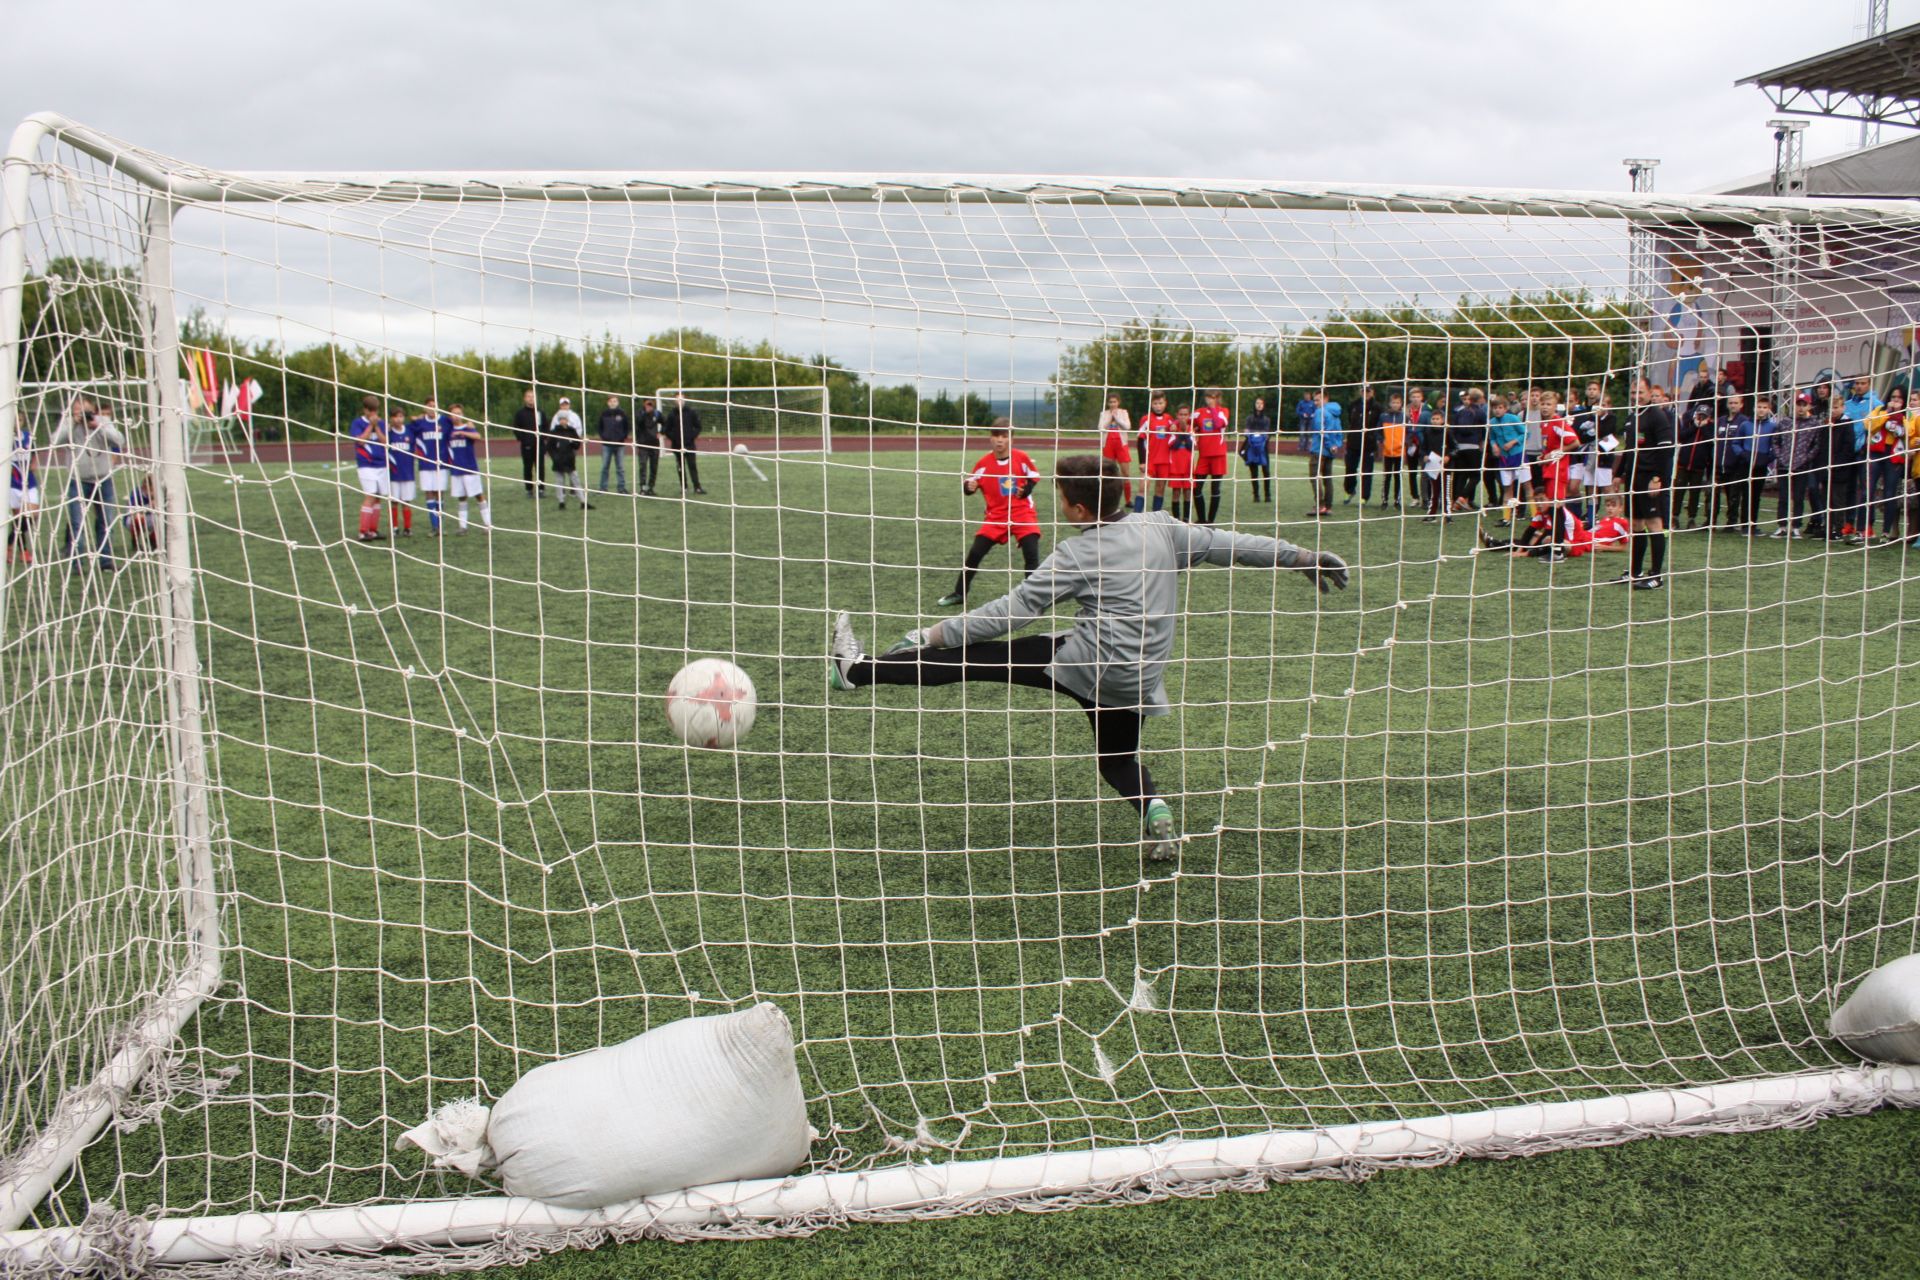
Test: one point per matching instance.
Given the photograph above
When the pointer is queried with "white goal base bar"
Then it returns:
(797, 1205)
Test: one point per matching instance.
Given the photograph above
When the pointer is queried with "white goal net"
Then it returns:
(307, 832)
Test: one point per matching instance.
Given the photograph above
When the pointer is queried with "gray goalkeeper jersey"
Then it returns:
(1125, 576)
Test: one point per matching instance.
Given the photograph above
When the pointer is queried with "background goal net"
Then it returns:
(304, 837)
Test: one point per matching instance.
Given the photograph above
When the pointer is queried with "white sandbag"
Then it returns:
(697, 1101)
(1880, 1021)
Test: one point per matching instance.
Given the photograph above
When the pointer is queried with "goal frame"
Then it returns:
(719, 394)
(807, 1200)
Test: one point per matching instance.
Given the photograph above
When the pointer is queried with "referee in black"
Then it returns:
(1649, 488)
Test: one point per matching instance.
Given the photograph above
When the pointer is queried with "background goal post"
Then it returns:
(309, 832)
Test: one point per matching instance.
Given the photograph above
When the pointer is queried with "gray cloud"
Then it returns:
(1501, 92)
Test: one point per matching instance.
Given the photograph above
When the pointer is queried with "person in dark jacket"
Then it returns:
(1363, 445)
(1846, 497)
(614, 430)
(1466, 449)
(1733, 469)
(681, 434)
(526, 429)
(1649, 482)
(647, 426)
(1693, 460)
(1805, 457)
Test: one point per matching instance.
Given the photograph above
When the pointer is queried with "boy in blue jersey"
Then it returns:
(401, 462)
(23, 497)
(1253, 450)
(1507, 439)
(463, 466)
(369, 434)
(430, 432)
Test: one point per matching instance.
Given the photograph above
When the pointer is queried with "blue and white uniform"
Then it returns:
(23, 482)
(431, 437)
(370, 456)
(401, 461)
(463, 462)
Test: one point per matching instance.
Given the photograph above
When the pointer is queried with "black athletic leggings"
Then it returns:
(1022, 661)
(1260, 471)
(977, 553)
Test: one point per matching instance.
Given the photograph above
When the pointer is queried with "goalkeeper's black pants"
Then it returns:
(1022, 661)
(977, 554)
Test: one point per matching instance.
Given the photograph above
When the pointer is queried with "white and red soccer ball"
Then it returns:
(711, 703)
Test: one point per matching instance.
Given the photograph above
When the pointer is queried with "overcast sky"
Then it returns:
(1472, 92)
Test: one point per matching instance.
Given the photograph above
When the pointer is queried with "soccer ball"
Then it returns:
(711, 703)
(740, 449)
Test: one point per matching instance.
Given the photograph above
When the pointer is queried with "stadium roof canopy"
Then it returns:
(1889, 171)
(1873, 79)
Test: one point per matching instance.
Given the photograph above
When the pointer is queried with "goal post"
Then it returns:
(308, 834)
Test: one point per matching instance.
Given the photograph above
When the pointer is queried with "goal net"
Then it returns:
(1483, 855)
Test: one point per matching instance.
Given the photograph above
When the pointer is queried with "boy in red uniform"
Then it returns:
(1007, 477)
(1559, 444)
(1155, 444)
(1180, 465)
(1210, 453)
(1114, 425)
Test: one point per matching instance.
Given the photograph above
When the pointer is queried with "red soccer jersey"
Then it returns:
(1558, 442)
(1210, 432)
(1002, 481)
(1610, 530)
(1157, 430)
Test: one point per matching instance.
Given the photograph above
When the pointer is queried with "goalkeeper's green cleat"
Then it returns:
(1162, 844)
(952, 600)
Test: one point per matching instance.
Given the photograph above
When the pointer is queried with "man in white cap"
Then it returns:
(566, 438)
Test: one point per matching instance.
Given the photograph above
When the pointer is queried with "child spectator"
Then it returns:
(1180, 460)
(1507, 441)
(1733, 466)
(401, 461)
(1153, 442)
(1210, 425)
(1324, 440)
(1693, 462)
(23, 497)
(1433, 444)
(369, 435)
(464, 482)
(1886, 445)
(567, 436)
(1115, 426)
(1253, 451)
(143, 531)
(429, 433)
(1393, 450)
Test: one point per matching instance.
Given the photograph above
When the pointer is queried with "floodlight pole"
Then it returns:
(1642, 254)
(1870, 123)
(1789, 157)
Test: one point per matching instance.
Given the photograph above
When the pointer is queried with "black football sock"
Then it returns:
(1639, 537)
(1659, 553)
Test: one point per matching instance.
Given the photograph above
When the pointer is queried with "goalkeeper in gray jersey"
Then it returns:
(1123, 570)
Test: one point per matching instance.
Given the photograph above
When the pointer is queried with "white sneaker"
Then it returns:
(844, 653)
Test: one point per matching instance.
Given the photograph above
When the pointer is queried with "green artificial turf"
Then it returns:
(1474, 832)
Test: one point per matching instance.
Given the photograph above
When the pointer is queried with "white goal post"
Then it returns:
(304, 837)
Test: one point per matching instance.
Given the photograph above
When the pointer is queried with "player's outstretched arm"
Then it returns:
(1033, 598)
(1204, 544)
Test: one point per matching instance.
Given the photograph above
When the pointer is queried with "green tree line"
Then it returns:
(1555, 339)
(82, 326)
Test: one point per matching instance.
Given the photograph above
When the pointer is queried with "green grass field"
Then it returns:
(1473, 833)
